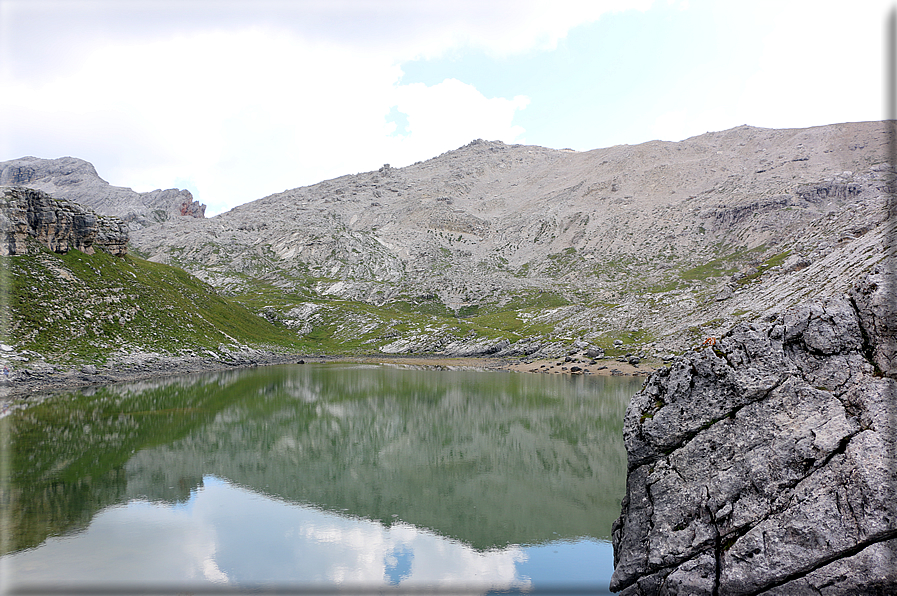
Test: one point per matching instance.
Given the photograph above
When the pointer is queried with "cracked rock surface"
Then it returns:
(765, 464)
(58, 224)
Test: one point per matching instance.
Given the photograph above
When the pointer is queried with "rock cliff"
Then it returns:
(57, 224)
(765, 464)
(77, 180)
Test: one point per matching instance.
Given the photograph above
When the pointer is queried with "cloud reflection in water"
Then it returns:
(227, 534)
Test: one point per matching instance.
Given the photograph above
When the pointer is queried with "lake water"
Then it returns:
(315, 478)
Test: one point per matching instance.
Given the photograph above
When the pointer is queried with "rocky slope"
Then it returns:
(76, 308)
(765, 464)
(530, 249)
(659, 238)
(77, 180)
(57, 224)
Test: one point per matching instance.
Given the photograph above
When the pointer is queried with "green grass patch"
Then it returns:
(665, 286)
(630, 338)
(76, 307)
(714, 268)
(508, 324)
(773, 261)
(562, 262)
(536, 300)
(428, 304)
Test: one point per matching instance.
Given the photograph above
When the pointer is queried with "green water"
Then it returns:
(317, 475)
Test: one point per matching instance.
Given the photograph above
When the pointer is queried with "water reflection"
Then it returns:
(224, 534)
(333, 474)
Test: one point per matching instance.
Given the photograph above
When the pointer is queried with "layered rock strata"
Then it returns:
(57, 224)
(765, 463)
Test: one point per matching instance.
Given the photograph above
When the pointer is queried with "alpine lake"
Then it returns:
(316, 478)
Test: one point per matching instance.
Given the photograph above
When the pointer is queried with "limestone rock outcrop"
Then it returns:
(765, 463)
(77, 180)
(59, 225)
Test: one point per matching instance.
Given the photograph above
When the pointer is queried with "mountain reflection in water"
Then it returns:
(319, 474)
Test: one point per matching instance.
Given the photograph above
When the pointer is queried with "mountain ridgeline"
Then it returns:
(77, 180)
(524, 251)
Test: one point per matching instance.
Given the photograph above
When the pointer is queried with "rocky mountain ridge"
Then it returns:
(658, 244)
(660, 236)
(77, 180)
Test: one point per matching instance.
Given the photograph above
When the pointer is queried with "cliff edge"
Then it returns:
(57, 224)
(765, 463)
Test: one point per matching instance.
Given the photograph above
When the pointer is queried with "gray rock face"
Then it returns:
(59, 225)
(77, 180)
(765, 464)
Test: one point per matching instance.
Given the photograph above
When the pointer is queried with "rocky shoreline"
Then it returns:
(765, 464)
(18, 384)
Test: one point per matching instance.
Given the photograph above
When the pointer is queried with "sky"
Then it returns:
(235, 100)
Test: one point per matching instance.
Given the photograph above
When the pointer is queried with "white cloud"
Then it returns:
(246, 114)
(805, 75)
(206, 541)
(241, 114)
(450, 114)
(45, 35)
(671, 126)
(245, 99)
(505, 27)
(808, 65)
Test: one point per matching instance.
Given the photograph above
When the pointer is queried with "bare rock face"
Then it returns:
(765, 464)
(59, 225)
(77, 180)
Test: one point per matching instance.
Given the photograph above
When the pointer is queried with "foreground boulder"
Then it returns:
(764, 464)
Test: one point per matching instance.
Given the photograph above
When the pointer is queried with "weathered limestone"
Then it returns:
(765, 464)
(59, 225)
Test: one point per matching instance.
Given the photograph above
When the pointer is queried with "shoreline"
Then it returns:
(604, 367)
(44, 377)
(133, 367)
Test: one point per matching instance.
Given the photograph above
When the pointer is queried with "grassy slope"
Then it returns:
(76, 307)
(351, 327)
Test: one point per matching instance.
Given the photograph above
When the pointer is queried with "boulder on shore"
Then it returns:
(765, 464)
